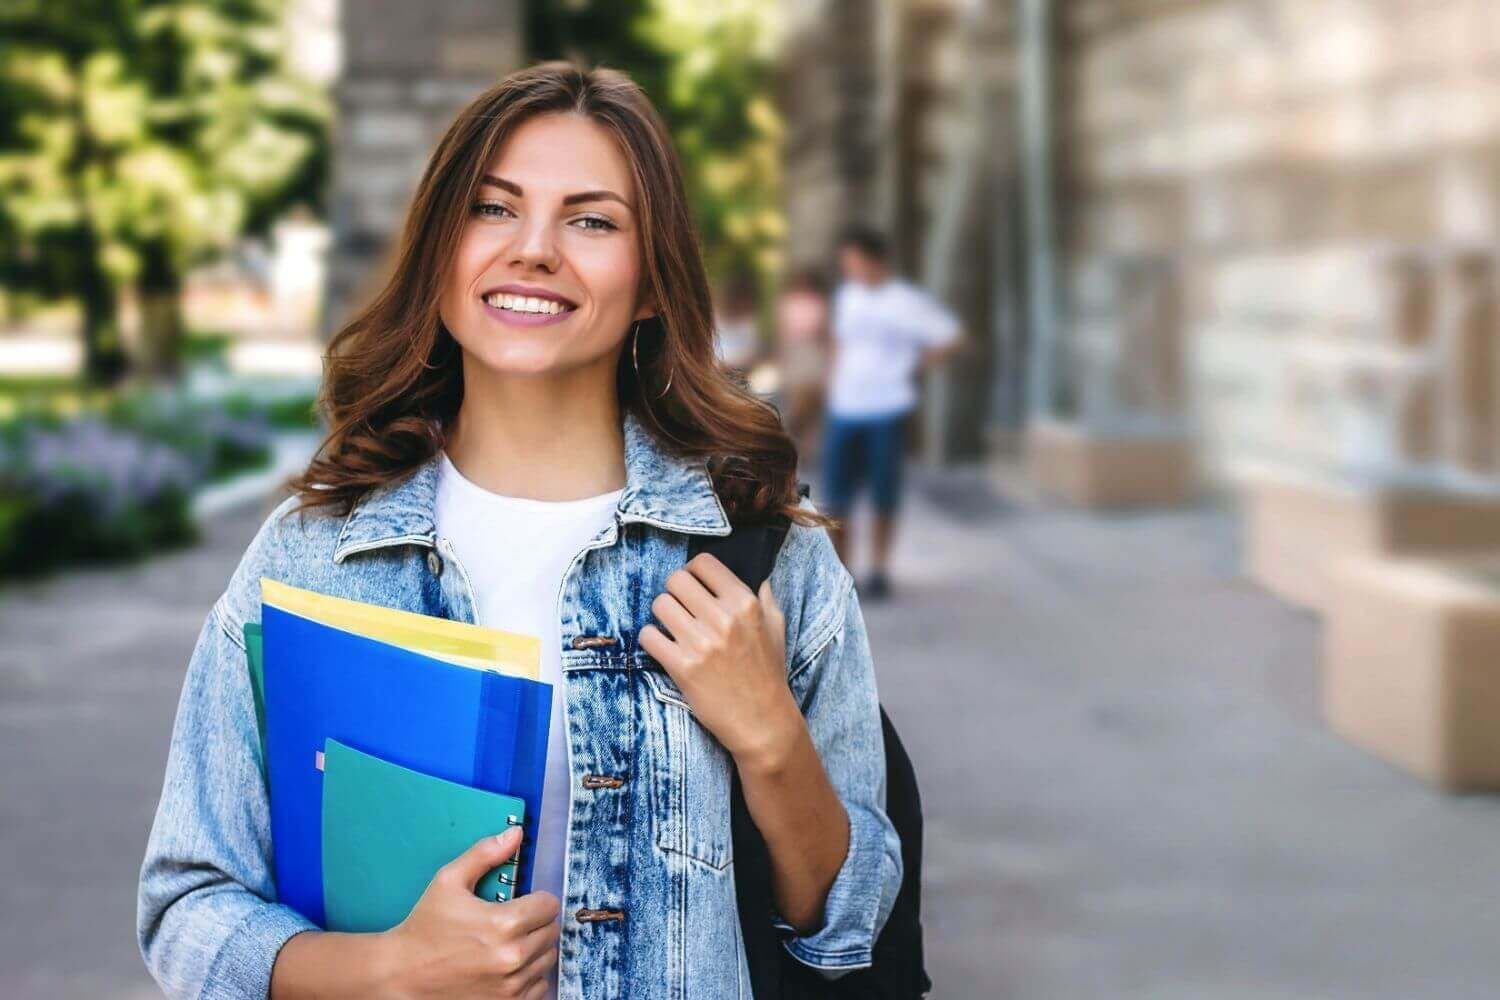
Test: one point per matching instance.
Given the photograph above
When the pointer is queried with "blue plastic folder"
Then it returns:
(475, 727)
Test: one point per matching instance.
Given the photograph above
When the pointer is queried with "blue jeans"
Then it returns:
(856, 449)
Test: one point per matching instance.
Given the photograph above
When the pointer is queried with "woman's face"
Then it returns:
(547, 275)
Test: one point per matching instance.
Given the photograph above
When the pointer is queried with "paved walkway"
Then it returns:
(1129, 793)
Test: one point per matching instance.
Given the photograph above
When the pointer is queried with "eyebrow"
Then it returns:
(572, 199)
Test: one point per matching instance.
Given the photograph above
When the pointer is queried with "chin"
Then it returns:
(520, 363)
(531, 358)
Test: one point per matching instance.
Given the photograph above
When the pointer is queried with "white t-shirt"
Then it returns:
(880, 332)
(515, 552)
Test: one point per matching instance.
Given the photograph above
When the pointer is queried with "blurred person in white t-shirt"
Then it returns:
(886, 331)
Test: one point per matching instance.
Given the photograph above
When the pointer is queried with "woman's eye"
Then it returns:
(598, 223)
(491, 209)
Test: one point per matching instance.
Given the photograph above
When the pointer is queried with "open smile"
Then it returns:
(518, 308)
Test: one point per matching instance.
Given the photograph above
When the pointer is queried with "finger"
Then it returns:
(656, 642)
(691, 593)
(530, 912)
(520, 958)
(469, 867)
(717, 577)
(537, 991)
(540, 948)
(670, 612)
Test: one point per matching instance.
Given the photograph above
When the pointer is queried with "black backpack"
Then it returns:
(898, 972)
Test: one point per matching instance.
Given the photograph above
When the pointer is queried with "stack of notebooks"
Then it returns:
(392, 743)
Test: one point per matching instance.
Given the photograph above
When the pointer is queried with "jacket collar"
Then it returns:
(660, 489)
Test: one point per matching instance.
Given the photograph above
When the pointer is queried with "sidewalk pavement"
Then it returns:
(1128, 791)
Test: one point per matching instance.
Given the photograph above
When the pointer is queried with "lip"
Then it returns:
(512, 318)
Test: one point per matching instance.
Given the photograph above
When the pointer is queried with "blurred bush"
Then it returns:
(83, 490)
(216, 439)
(99, 480)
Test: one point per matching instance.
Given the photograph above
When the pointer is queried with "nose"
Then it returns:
(535, 246)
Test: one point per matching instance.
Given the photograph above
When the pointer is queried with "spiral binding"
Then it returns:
(509, 880)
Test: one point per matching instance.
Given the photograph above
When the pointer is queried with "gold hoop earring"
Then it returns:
(635, 360)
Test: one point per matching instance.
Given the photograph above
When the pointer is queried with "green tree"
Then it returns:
(139, 138)
(709, 66)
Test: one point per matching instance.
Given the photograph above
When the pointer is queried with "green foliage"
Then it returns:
(709, 68)
(145, 134)
(203, 347)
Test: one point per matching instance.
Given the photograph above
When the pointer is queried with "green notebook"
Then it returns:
(387, 830)
(255, 659)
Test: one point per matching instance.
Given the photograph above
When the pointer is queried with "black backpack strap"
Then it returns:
(750, 551)
(898, 971)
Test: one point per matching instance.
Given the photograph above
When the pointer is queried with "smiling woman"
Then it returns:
(548, 206)
(561, 188)
(528, 427)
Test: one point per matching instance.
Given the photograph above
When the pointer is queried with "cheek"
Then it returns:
(611, 274)
(456, 288)
(473, 255)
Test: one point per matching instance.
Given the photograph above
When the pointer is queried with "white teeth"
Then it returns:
(524, 303)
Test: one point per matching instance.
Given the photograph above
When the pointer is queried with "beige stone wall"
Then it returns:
(971, 252)
(1308, 193)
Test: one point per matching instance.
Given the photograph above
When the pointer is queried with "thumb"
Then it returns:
(490, 852)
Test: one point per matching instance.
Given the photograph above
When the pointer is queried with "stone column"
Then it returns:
(408, 67)
(837, 125)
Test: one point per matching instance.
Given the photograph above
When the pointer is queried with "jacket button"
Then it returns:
(594, 782)
(592, 916)
(434, 563)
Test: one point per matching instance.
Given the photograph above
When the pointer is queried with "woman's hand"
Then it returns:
(727, 654)
(454, 944)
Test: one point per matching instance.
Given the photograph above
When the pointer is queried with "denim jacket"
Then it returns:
(656, 848)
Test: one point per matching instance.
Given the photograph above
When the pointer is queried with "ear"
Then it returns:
(647, 308)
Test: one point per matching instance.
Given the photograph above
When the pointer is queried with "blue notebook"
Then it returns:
(475, 727)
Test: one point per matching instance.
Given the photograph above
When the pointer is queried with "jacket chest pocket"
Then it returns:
(690, 777)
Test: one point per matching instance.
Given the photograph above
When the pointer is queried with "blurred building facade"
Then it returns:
(407, 68)
(1302, 198)
(886, 125)
(1281, 224)
(1273, 221)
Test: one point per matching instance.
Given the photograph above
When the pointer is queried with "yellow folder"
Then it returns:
(454, 642)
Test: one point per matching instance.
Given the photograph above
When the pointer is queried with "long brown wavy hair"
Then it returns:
(393, 378)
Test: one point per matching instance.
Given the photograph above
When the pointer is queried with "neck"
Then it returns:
(540, 437)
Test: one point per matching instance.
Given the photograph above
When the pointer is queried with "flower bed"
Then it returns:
(116, 480)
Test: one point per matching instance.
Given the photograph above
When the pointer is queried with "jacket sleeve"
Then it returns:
(206, 920)
(834, 678)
